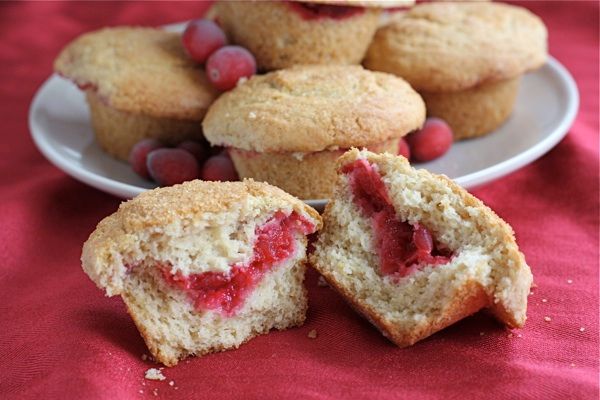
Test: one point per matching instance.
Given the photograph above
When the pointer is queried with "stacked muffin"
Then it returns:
(465, 59)
(288, 127)
(282, 34)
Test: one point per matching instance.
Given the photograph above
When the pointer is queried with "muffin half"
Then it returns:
(414, 253)
(205, 266)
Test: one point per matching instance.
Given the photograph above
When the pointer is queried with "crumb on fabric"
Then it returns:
(155, 392)
(312, 334)
(322, 282)
(569, 281)
(582, 329)
(544, 300)
(481, 333)
(547, 319)
(154, 374)
(171, 383)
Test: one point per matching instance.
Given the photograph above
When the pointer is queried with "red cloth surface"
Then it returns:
(61, 338)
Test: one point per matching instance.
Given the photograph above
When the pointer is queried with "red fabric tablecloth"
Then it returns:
(61, 338)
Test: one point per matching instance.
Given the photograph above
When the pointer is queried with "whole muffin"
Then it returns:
(465, 59)
(139, 83)
(288, 127)
(281, 34)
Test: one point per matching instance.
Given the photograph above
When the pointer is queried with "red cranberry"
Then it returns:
(197, 149)
(201, 38)
(172, 166)
(310, 11)
(403, 149)
(219, 168)
(227, 65)
(432, 141)
(139, 153)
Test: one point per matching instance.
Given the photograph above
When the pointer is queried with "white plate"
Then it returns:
(546, 106)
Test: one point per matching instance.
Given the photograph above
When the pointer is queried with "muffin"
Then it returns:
(139, 84)
(288, 127)
(281, 34)
(205, 266)
(465, 59)
(413, 252)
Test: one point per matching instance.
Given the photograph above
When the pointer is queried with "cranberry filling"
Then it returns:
(401, 247)
(226, 292)
(311, 11)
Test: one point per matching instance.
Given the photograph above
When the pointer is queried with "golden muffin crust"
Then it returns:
(441, 47)
(194, 199)
(138, 70)
(314, 108)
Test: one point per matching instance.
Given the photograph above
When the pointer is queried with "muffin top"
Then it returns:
(195, 201)
(139, 70)
(314, 108)
(442, 47)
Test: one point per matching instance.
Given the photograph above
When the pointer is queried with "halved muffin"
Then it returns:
(205, 266)
(414, 252)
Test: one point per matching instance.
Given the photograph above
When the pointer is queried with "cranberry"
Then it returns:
(227, 65)
(403, 149)
(219, 168)
(309, 11)
(197, 149)
(139, 153)
(172, 166)
(432, 141)
(201, 38)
